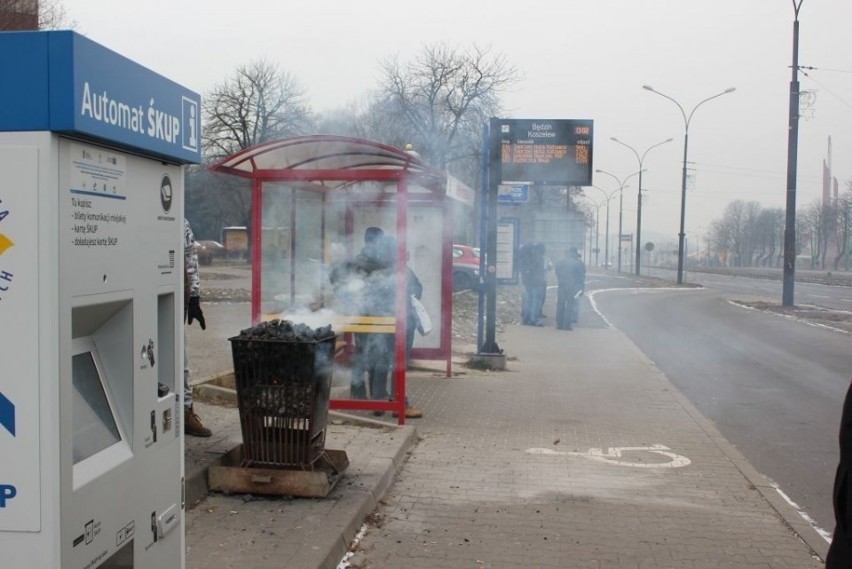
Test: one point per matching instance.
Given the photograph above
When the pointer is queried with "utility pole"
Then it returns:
(787, 293)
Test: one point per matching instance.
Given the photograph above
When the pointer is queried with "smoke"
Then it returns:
(308, 294)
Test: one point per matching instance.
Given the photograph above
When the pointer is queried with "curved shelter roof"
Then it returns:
(326, 162)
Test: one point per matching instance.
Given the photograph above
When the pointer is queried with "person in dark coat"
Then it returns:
(840, 551)
(531, 265)
(571, 276)
(350, 281)
(387, 255)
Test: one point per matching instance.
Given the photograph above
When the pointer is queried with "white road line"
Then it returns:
(791, 317)
(594, 304)
(812, 522)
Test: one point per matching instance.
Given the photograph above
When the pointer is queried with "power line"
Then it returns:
(824, 69)
(829, 91)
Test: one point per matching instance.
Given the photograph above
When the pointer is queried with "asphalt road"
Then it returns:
(773, 386)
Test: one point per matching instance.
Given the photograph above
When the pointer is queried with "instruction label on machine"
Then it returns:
(98, 195)
(20, 480)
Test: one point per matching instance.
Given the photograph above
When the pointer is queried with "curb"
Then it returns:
(365, 502)
(352, 506)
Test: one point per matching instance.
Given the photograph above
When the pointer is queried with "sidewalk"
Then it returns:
(519, 469)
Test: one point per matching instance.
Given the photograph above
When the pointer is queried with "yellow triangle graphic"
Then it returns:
(5, 243)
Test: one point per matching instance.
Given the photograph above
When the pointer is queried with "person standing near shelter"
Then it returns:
(192, 424)
(545, 268)
(387, 247)
(571, 276)
(840, 551)
(525, 253)
(350, 281)
(531, 265)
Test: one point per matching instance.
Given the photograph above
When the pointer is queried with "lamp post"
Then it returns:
(686, 121)
(607, 198)
(639, 197)
(598, 206)
(621, 186)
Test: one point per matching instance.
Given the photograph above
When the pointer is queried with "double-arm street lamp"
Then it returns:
(607, 198)
(686, 121)
(621, 185)
(639, 198)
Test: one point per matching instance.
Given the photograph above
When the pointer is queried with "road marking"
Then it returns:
(826, 535)
(613, 455)
(591, 296)
(791, 317)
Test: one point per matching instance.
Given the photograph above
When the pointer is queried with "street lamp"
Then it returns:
(607, 197)
(598, 206)
(621, 186)
(639, 198)
(686, 121)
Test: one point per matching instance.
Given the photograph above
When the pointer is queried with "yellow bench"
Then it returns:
(342, 323)
(369, 324)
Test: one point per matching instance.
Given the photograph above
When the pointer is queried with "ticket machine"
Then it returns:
(92, 148)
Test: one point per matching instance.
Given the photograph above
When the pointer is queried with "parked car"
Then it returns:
(465, 267)
(208, 250)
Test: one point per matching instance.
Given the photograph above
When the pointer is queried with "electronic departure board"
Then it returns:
(555, 152)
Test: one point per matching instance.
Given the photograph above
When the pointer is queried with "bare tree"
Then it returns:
(768, 233)
(828, 224)
(735, 221)
(750, 229)
(260, 102)
(812, 231)
(34, 15)
(720, 240)
(52, 15)
(441, 98)
(844, 225)
(438, 102)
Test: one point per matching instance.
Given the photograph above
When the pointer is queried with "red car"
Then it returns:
(465, 267)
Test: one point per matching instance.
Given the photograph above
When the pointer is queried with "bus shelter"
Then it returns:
(312, 199)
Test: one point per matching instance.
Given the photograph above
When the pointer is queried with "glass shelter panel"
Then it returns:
(291, 249)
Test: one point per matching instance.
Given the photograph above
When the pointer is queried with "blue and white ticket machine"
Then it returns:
(92, 151)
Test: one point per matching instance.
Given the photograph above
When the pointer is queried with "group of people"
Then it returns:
(366, 286)
(570, 276)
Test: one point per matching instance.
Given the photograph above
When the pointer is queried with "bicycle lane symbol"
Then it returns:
(614, 455)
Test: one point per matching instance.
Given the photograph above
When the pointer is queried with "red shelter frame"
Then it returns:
(333, 165)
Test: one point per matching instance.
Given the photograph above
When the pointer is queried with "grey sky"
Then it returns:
(580, 59)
